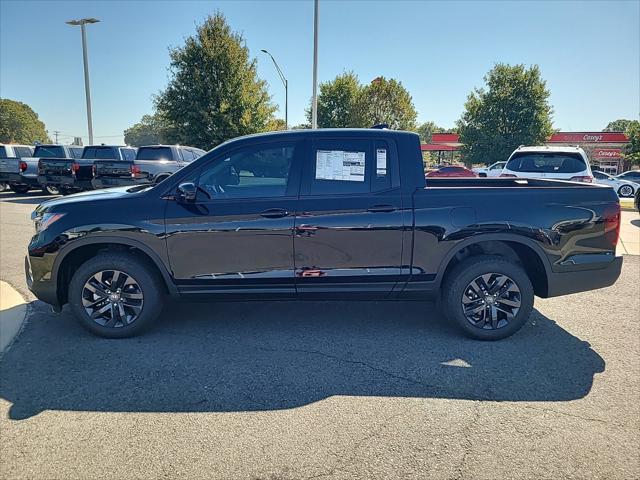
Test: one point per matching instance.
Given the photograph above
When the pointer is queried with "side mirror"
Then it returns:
(187, 192)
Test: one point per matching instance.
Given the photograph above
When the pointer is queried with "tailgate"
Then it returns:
(9, 165)
(55, 166)
(112, 168)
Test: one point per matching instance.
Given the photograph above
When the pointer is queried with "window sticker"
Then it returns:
(381, 162)
(340, 165)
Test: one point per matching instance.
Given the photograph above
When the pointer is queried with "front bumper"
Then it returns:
(601, 276)
(39, 281)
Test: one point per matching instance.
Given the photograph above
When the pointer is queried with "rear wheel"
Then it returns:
(19, 188)
(3, 187)
(625, 191)
(488, 297)
(50, 190)
(114, 295)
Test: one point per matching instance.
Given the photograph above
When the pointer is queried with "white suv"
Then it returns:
(559, 163)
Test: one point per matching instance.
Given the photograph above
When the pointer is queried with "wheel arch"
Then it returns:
(517, 248)
(84, 249)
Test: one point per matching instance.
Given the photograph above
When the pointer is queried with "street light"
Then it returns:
(286, 90)
(314, 99)
(82, 22)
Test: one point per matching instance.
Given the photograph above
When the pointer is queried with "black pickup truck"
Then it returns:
(345, 214)
(153, 164)
(71, 175)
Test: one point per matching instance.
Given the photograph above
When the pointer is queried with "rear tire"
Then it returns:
(492, 313)
(19, 188)
(50, 190)
(115, 295)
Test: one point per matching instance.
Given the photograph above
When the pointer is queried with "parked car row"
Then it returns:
(67, 169)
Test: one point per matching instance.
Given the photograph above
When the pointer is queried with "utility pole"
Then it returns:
(87, 91)
(56, 132)
(314, 101)
(286, 90)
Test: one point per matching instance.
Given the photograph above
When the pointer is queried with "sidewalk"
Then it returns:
(629, 242)
(12, 312)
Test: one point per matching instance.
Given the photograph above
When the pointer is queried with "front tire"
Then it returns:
(625, 191)
(115, 295)
(488, 297)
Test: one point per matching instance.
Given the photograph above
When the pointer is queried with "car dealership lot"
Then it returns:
(322, 389)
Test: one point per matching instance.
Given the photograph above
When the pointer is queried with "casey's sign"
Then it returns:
(607, 153)
(589, 137)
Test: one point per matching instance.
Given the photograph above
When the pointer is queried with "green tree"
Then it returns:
(214, 92)
(632, 150)
(513, 110)
(620, 125)
(150, 130)
(426, 130)
(20, 124)
(276, 124)
(337, 102)
(385, 101)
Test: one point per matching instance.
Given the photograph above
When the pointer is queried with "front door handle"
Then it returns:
(381, 209)
(274, 213)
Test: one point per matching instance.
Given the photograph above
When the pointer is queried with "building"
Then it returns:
(604, 149)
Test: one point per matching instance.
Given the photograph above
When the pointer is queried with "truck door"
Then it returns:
(348, 229)
(238, 235)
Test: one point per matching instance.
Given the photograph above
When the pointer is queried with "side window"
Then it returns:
(187, 156)
(384, 168)
(340, 166)
(22, 151)
(261, 171)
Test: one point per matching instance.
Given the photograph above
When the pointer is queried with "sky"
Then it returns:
(588, 52)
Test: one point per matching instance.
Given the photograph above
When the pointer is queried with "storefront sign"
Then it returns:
(588, 137)
(607, 153)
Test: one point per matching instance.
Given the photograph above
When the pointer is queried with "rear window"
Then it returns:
(154, 153)
(543, 162)
(23, 151)
(49, 151)
(3, 152)
(102, 153)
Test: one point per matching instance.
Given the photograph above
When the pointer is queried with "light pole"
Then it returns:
(82, 22)
(286, 90)
(314, 99)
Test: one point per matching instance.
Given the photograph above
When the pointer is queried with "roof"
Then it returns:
(551, 148)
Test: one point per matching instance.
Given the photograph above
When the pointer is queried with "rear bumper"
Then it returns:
(18, 179)
(108, 182)
(564, 283)
(64, 181)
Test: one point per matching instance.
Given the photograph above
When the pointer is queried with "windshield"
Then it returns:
(543, 162)
(49, 151)
(154, 153)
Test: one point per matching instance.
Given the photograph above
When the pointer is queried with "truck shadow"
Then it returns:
(234, 357)
(32, 197)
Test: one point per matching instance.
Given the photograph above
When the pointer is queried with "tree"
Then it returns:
(385, 101)
(620, 125)
(632, 150)
(426, 130)
(150, 130)
(513, 110)
(20, 124)
(337, 102)
(214, 92)
(276, 124)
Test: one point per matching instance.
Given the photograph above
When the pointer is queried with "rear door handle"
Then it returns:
(381, 209)
(274, 213)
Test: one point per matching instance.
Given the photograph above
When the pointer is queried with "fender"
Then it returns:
(166, 276)
(505, 237)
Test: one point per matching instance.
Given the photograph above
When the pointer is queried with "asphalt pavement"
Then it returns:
(271, 390)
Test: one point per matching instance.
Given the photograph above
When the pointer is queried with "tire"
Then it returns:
(519, 291)
(50, 190)
(625, 191)
(19, 188)
(3, 187)
(161, 179)
(65, 191)
(141, 295)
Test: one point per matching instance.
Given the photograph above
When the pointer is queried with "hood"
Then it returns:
(91, 196)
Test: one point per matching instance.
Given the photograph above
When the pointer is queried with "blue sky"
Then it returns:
(588, 52)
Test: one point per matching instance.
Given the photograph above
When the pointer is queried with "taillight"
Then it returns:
(135, 169)
(584, 179)
(93, 170)
(75, 167)
(504, 175)
(23, 167)
(611, 218)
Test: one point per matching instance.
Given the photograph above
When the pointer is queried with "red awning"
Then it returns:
(430, 147)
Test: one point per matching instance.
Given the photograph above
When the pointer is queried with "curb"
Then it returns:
(13, 312)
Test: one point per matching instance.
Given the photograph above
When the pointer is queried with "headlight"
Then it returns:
(42, 222)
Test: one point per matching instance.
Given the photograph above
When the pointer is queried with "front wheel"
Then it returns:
(114, 295)
(625, 191)
(488, 297)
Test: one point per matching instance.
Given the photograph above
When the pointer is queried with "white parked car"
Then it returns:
(558, 163)
(493, 170)
(625, 188)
